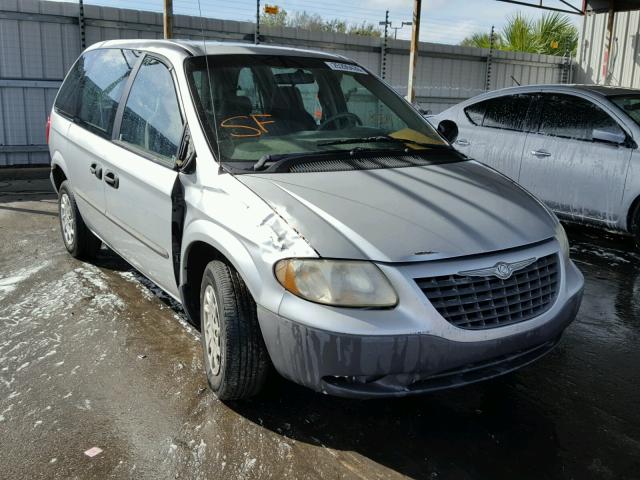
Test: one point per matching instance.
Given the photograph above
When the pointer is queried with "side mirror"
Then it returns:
(617, 138)
(449, 130)
(185, 160)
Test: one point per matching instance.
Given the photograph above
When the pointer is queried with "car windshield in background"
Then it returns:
(263, 105)
(630, 104)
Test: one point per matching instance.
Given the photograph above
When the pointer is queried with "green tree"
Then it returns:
(552, 34)
(277, 20)
(365, 29)
(314, 22)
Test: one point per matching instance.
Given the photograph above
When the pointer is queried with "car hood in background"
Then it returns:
(405, 214)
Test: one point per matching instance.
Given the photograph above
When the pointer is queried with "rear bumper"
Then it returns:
(370, 366)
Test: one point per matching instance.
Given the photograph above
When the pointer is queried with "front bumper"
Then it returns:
(371, 366)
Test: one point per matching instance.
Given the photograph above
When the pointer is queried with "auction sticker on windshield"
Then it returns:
(346, 67)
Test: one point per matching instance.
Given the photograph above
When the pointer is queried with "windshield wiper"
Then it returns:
(381, 139)
(275, 158)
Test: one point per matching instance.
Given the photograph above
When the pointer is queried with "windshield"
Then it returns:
(630, 104)
(263, 105)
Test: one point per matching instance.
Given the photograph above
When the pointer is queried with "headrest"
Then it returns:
(236, 105)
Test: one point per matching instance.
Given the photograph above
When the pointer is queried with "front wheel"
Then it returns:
(77, 238)
(235, 357)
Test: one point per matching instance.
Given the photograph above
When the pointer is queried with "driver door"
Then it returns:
(139, 173)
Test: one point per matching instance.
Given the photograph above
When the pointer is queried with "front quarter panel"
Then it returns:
(232, 219)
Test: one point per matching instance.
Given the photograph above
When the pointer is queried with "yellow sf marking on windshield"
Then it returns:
(254, 132)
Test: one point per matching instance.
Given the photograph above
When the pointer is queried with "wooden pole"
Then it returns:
(167, 19)
(606, 64)
(413, 54)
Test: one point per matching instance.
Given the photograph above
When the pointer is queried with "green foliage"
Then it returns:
(552, 34)
(278, 20)
(365, 29)
(314, 22)
(478, 40)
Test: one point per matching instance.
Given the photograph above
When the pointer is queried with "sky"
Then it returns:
(443, 21)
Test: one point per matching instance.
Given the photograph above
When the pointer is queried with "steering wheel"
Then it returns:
(351, 116)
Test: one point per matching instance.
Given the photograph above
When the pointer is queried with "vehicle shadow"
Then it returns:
(488, 430)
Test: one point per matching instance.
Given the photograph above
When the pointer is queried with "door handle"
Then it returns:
(540, 153)
(111, 179)
(96, 170)
(463, 143)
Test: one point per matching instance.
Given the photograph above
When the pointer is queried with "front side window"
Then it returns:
(151, 119)
(475, 113)
(91, 93)
(253, 106)
(630, 104)
(568, 116)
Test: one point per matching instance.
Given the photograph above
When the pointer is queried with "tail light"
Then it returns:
(47, 128)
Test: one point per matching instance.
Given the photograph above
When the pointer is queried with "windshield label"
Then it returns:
(346, 67)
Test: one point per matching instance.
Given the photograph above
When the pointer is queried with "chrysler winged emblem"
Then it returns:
(501, 270)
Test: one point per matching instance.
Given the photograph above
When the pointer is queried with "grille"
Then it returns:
(478, 303)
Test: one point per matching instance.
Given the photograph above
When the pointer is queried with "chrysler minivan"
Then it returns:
(307, 218)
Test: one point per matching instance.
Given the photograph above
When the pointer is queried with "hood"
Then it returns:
(406, 214)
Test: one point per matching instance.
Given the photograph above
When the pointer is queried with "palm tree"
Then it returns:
(552, 34)
(557, 34)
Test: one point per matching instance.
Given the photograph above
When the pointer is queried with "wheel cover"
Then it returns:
(212, 329)
(67, 220)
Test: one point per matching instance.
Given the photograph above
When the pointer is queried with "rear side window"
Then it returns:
(91, 93)
(151, 120)
(507, 113)
(573, 117)
(67, 99)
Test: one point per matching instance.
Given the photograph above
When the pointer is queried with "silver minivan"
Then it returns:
(572, 146)
(307, 218)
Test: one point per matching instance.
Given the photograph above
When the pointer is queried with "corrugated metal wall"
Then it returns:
(624, 58)
(39, 41)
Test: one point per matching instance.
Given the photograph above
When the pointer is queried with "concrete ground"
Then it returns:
(96, 356)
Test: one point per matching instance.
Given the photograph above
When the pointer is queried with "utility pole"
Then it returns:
(395, 29)
(256, 38)
(413, 54)
(167, 19)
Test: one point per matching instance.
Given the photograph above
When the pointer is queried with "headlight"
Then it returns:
(563, 240)
(336, 282)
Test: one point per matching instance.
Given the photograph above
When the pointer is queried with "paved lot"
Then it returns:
(96, 356)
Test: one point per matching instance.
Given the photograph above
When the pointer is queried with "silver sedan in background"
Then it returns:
(573, 146)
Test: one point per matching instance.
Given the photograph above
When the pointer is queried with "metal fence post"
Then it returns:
(487, 82)
(383, 60)
(256, 38)
(83, 38)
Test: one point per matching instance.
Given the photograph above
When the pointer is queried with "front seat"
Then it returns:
(287, 107)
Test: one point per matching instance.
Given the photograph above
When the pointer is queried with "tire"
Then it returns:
(239, 367)
(77, 238)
